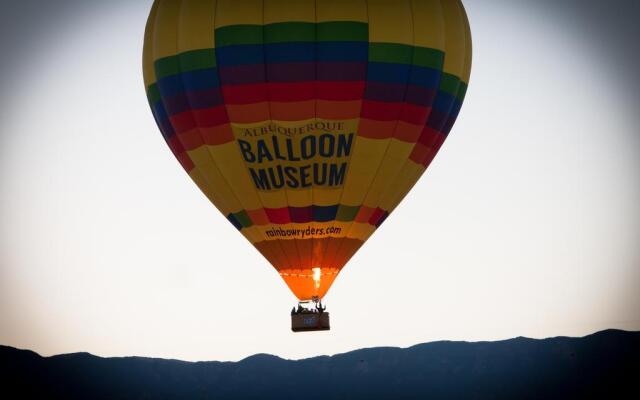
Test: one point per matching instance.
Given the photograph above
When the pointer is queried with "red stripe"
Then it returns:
(364, 213)
(375, 217)
(340, 90)
(292, 91)
(174, 145)
(415, 114)
(428, 136)
(190, 139)
(211, 116)
(245, 94)
(182, 122)
(189, 120)
(380, 111)
(434, 150)
(278, 215)
(217, 134)
(185, 161)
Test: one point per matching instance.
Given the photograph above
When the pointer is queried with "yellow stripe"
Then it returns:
(366, 157)
(341, 10)
(351, 230)
(148, 71)
(165, 37)
(228, 159)
(287, 10)
(213, 195)
(195, 25)
(390, 22)
(236, 12)
(468, 47)
(408, 176)
(397, 154)
(454, 27)
(214, 181)
(360, 231)
(428, 24)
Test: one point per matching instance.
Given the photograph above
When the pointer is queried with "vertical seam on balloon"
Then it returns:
(401, 195)
(312, 258)
(382, 159)
(387, 186)
(402, 107)
(270, 121)
(215, 48)
(408, 160)
(268, 87)
(183, 84)
(197, 128)
(162, 99)
(345, 238)
(463, 61)
(432, 142)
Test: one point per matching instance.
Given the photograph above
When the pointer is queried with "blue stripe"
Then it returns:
(198, 80)
(444, 102)
(202, 79)
(234, 221)
(162, 120)
(324, 213)
(424, 77)
(228, 56)
(388, 73)
(241, 54)
(437, 120)
(278, 53)
(343, 51)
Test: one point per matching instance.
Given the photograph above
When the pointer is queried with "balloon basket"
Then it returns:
(310, 321)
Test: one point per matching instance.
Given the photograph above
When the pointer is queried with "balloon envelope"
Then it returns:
(306, 122)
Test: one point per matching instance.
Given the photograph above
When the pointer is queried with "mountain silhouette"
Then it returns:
(603, 365)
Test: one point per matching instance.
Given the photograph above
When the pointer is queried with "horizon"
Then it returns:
(604, 331)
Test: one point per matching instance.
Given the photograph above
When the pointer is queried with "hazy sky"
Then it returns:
(526, 224)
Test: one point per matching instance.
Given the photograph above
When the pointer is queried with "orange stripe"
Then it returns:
(364, 214)
(407, 132)
(258, 216)
(293, 111)
(338, 110)
(376, 129)
(248, 113)
(217, 134)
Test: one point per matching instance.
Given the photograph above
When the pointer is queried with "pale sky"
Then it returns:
(526, 224)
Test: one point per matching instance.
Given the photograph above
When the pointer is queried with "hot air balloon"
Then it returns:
(306, 122)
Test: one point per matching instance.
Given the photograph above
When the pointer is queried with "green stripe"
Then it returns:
(239, 34)
(290, 32)
(395, 53)
(343, 31)
(243, 218)
(197, 59)
(153, 94)
(347, 213)
(449, 83)
(167, 66)
(184, 62)
(462, 91)
(392, 53)
(429, 58)
(334, 31)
